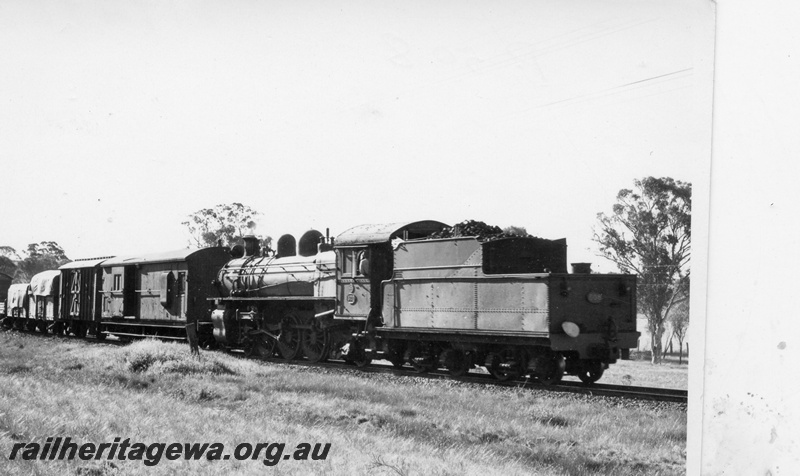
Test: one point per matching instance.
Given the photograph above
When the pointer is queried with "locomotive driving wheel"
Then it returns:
(260, 346)
(289, 338)
(316, 343)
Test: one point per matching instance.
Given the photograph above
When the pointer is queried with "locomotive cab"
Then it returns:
(365, 258)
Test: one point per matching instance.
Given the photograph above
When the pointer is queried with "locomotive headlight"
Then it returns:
(571, 328)
(594, 297)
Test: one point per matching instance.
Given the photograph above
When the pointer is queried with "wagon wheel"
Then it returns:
(455, 361)
(207, 341)
(260, 346)
(32, 324)
(289, 338)
(43, 327)
(417, 359)
(591, 371)
(315, 343)
(80, 329)
(98, 332)
(552, 372)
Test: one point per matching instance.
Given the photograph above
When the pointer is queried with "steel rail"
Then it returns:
(599, 390)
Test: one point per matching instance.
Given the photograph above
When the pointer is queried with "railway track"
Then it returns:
(475, 376)
(605, 390)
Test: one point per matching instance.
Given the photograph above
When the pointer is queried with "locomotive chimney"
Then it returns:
(325, 243)
(251, 247)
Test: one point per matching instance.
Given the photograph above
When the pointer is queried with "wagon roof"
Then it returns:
(84, 263)
(381, 233)
(17, 292)
(42, 283)
(163, 257)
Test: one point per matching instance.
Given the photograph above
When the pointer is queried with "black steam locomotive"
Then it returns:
(401, 292)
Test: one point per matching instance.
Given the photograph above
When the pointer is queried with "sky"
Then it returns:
(119, 119)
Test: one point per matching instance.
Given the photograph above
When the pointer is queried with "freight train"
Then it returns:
(408, 293)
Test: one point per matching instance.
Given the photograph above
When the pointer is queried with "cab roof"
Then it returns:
(383, 233)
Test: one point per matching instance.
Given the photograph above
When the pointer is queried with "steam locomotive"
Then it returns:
(398, 292)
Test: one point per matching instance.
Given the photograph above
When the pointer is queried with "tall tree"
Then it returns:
(679, 322)
(649, 234)
(224, 224)
(40, 257)
(8, 260)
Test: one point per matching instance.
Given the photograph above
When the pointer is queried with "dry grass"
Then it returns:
(642, 373)
(376, 424)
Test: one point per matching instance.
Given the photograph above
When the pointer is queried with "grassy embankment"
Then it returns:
(377, 424)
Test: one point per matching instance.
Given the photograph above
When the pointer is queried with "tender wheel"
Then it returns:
(315, 343)
(395, 353)
(289, 338)
(455, 361)
(591, 371)
(396, 360)
(418, 359)
(362, 360)
(504, 365)
(548, 369)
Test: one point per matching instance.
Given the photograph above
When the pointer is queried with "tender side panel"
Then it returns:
(512, 305)
(479, 304)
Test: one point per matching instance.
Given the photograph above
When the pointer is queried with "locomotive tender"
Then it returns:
(393, 292)
(398, 292)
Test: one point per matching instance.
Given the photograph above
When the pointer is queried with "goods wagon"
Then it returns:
(5, 283)
(81, 285)
(17, 310)
(158, 294)
(43, 300)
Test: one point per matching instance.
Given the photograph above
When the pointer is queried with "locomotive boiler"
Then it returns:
(277, 302)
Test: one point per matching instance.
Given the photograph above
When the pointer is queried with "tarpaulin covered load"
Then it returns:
(18, 295)
(45, 283)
